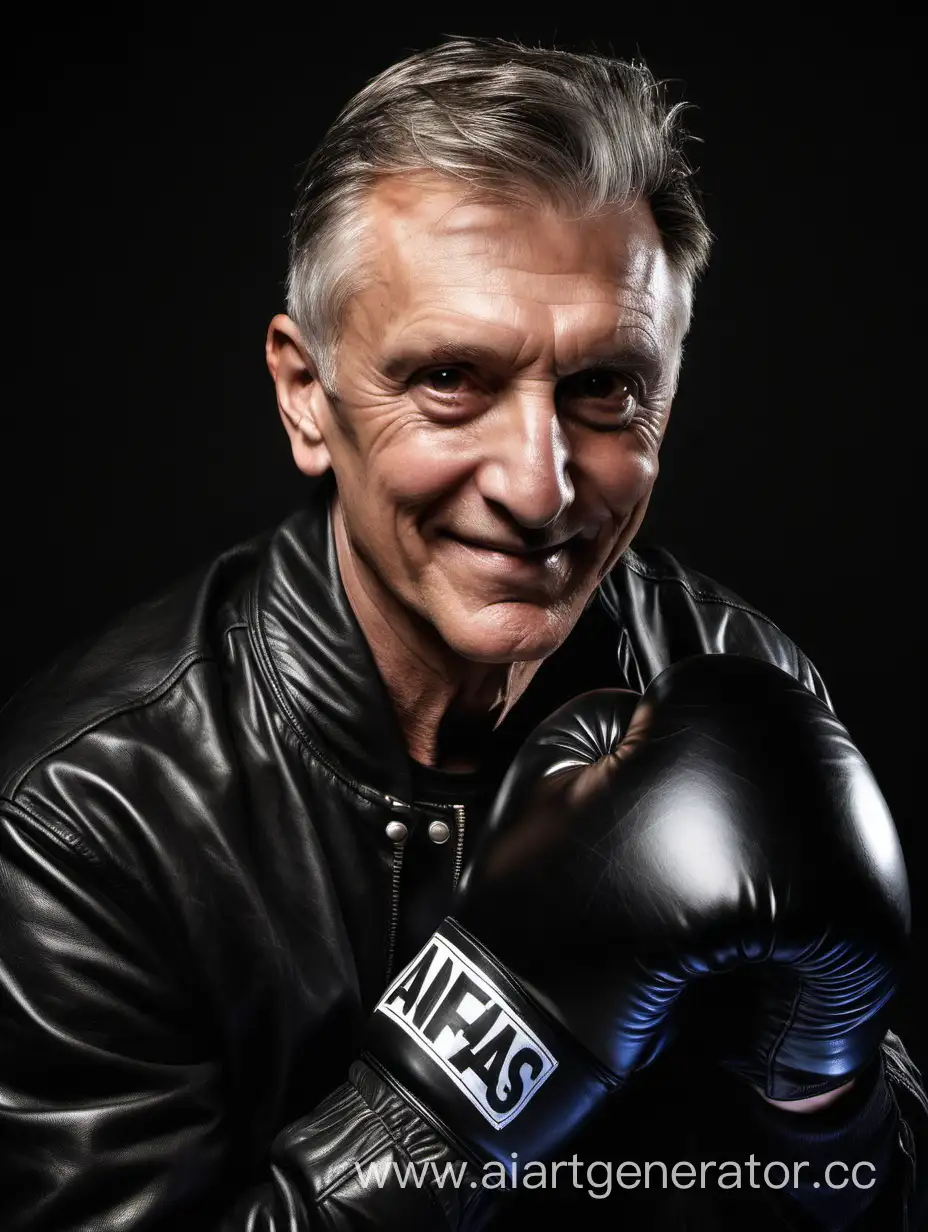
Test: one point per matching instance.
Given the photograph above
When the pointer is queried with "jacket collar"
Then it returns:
(326, 679)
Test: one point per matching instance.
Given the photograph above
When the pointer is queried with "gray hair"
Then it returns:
(584, 131)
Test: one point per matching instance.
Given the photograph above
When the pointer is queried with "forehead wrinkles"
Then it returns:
(472, 317)
(440, 267)
(576, 335)
(523, 329)
(419, 228)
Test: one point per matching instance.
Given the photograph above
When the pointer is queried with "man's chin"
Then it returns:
(506, 633)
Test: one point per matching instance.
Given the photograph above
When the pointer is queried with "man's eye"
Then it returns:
(448, 390)
(445, 380)
(600, 391)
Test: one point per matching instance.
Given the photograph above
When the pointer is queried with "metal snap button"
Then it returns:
(396, 831)
(439, 831)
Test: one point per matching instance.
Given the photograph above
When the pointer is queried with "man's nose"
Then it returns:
(525, 466)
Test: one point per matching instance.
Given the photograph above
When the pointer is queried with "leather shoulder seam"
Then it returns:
(14, 780)
(68, 839)
(701, 596)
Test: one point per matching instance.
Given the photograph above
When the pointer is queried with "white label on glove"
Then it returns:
(460, 1018)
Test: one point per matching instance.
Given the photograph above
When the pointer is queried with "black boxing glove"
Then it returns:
(741, 831)
(725, 822)
(823, 915)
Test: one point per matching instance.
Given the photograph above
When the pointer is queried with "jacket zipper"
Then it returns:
(459, 849)
(399, 848)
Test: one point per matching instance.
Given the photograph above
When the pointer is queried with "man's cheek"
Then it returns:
(426, 476)
(639, 474)
(628, 501)
(621, 481)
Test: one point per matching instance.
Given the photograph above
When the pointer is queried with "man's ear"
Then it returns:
(301, 399)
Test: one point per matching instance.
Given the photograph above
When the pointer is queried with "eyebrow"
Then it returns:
(638, 357)
(413, 357)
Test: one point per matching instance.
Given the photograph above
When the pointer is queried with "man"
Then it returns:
(242, 812)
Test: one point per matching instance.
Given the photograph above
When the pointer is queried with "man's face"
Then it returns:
(504, 383)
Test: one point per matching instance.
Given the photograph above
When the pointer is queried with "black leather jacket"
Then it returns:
(199, 893)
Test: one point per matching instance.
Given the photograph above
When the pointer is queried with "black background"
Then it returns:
(151, 159)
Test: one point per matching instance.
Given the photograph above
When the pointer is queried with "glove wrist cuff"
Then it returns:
(458, 1034)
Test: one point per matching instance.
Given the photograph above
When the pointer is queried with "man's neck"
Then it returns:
(447, 706)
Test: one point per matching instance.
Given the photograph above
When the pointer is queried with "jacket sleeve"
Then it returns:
(908, 1091)
(112, 1108)
(847, 1167)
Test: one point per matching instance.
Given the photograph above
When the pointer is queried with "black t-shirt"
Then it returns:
(468, 787)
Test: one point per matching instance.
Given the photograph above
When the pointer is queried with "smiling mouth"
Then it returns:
(517, 553)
